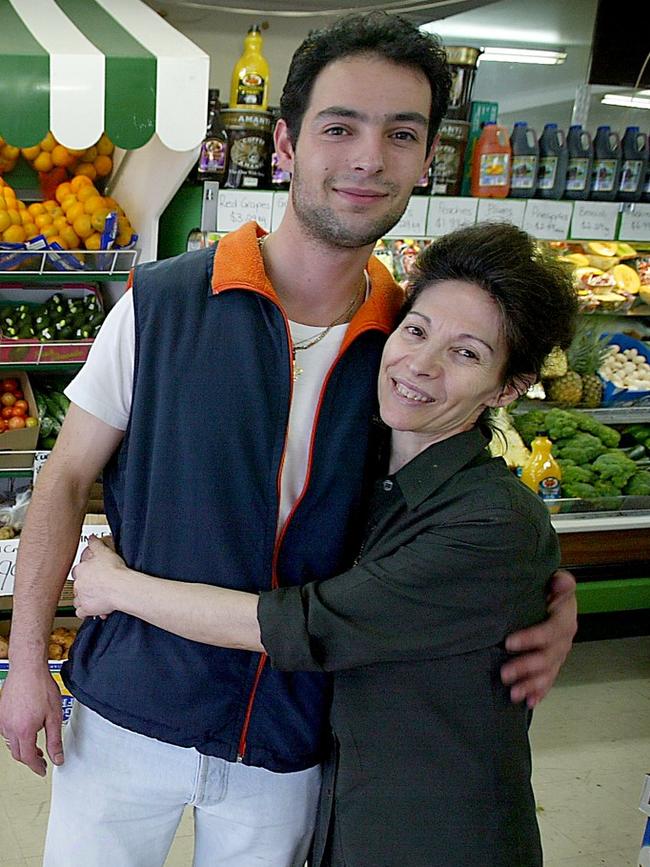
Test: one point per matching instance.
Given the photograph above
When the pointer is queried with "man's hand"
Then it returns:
(96, 578)
(543, 648)
(29, 701)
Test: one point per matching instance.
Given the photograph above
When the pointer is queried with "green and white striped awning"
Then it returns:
(83, 67)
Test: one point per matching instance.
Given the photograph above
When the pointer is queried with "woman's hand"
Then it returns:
(97, 578)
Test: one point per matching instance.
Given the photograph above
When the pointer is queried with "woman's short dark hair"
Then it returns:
(377, 34)
(533, 291)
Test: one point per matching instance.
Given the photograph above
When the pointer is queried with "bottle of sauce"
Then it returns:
(607, 165)
(581, 154)
(214, 148)
(553, 159)
(541, 472)
(525, 156)
(491, 163)
(634, 154)
(249, 85)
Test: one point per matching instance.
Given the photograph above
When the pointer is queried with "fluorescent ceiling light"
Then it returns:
(627, 101)
(485, 33)
(523, 55)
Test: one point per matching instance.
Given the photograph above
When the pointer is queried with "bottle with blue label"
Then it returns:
(541, 472)
(581, 152)
(525, 156)
(553, 159)
(606, 168)
(634, 155)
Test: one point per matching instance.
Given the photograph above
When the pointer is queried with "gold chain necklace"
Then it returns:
(308, 342)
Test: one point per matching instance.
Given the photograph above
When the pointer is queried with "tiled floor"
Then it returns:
(591, 743)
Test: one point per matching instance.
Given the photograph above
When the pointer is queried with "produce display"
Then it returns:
(59, 643)
(14, 414)
(59, 318)
(595, 461)
(52, 407)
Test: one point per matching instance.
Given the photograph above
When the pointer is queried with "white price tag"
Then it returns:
(237, 207)
(447, 213)
(280, 201)
(413, 223)
(635, 223)
(502, 211)
(39, 462)
(8, 551)
(548, 220)
(596, 220)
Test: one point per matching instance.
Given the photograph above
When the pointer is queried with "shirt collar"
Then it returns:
(429, 470)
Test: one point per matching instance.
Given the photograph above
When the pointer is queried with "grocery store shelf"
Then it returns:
(601, 521)
(605, 414)
(59, 266)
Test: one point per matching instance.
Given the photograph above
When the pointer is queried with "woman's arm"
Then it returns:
(103, 583)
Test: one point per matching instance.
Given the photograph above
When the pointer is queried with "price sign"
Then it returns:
(595, 220)
(635, 223)
(447, 213)
(548, 220)
(414, 219)
(237, 207)
(8, 551)
(280, 201)
(502, 211)
(39, 463)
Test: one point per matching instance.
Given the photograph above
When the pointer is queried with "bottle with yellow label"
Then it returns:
(249, 86)
(541, 472)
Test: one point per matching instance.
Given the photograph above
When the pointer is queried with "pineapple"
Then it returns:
(586, 355)
(565, 390)
(555, 364)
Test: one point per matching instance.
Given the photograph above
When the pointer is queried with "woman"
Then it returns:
(430, 763)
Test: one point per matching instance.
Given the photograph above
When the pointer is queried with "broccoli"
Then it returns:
(560, 424)
(607, 488)
(641, 433)
(614, 467)
(573, 474)
(580, 490)
(528, 424)
(639, 484)
(581, 448)
(607, 435)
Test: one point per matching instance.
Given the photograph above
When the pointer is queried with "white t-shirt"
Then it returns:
(104, 387)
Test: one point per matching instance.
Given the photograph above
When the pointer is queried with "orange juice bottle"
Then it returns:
(491, 163)
(541, 472)
(249, 85)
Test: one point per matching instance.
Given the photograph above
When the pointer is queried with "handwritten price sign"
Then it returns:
(414, 219)
(279, 207)
(635, 223)
(596, 220)
(547, 220)
(447, 213)
(501, 211)
(237, 207)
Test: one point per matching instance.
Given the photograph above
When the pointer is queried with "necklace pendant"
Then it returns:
(296, 369)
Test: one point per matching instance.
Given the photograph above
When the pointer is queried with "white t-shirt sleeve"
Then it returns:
(104, 385)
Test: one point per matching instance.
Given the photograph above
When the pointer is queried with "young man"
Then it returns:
(257, 482)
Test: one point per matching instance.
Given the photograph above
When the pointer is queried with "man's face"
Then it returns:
(360, 150)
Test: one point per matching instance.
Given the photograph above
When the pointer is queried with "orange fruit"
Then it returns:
(86, 192)
(70, 237)
(8, 192)
(124, 237)
(90, 155)
(43, 162)
(93, 203)
(14, 235)
(25, 216)
(103, 165)
(3, 204)
(79, 181)
(98, 219)
(10, 152)
(36, 208)
(43, 220)
(93, 242)
(112, 204)
(30, 230)
(75, 211)
(105, 146)
(57, 239)
(60, 223)
(87, 169)
(61, 156)
(48, 231)
(68, 202)
(62, 190)
(50, 205)
(82, 226)
(14, 216)
(31, 153)
(5, 220)
(48, 143)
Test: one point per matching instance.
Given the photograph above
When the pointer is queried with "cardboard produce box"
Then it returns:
(17, 446)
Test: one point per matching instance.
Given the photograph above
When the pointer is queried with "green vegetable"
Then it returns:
(614, 468)
(639, 484)
(560, 423)
(580, 490)
(606, 488)
(607, 435)
(528, 424)
(640, 432)
(572, 474)
(581, 448)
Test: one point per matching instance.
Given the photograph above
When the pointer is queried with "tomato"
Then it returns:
(3, 425)
(17, 412)
(8, 398)
(30, 421)
(18, 394)
(7, 412)
(9, 384)
(21, 407)
(16, 422)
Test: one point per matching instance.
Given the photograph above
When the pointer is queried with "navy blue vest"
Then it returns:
(192, 494)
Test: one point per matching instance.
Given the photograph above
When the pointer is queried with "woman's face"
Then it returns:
(443, 365)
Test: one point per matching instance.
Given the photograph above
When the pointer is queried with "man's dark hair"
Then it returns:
(376, 34)
(533, 291)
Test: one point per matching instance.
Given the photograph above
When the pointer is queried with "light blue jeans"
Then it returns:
(118, 798)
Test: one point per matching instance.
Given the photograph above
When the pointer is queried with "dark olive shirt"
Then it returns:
(431, 762)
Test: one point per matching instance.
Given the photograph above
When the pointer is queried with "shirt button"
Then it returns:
(388, 485)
